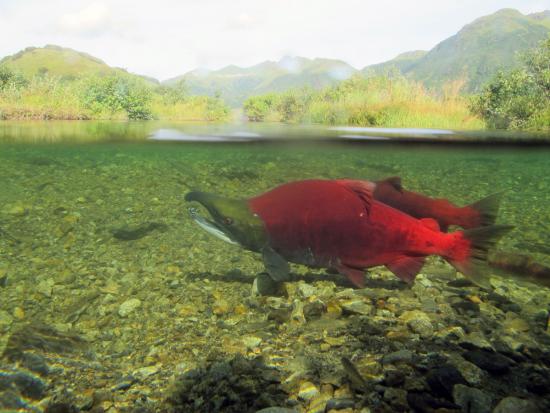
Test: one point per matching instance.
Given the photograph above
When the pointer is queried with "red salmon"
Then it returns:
(339, 224)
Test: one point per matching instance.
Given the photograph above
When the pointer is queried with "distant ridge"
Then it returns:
(234, 84)
(61, 61)
(476, 52)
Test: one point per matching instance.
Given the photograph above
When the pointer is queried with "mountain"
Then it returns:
(61, 61)
(476, 52)
(234, 84)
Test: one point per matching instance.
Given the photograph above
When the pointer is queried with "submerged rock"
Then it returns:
(442, 380)
(418, 322)
(515, 405)
(472, 400)
(41, 337)
(233, 386)
(128, 307)
(494, 363)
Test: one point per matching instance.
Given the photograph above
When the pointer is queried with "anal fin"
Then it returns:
(406, 268)
(357, 277)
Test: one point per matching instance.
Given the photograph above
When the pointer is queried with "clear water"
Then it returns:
(67, 188)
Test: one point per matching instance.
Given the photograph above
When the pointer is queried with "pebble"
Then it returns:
(418, 322)
(128, 306)
(221, 307)
(472, 400)
(472, 373)
(19, 313)
(356, 305)
(396, 397)
(306, 290)
(17, 210)
(314, 309)
(475, 340)
(145, 372)
(451, 333)
(45, 287)
(515, 405)
(251, 342)
(514, 324)
(400, 356)
(340, 404)
(308, 391)
(297, 315)
(334, 310)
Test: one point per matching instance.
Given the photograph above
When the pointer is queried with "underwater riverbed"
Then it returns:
(113, 299)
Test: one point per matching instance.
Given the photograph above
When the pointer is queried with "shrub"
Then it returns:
(117, 93)
(520, 98)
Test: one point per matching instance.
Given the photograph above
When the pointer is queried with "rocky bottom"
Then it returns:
(440, 345)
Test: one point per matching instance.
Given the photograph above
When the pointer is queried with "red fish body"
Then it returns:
(390, 192)
(338, 224)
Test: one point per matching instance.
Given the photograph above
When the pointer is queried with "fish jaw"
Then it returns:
(210, 226)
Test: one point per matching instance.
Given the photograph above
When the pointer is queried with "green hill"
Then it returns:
(60, 61)
(477, 51)
(234, 84)
(401, 62)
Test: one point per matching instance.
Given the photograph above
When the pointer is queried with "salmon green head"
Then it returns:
(230, 220)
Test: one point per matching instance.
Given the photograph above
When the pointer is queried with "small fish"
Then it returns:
(357, 381)
(522, 266)
(338, 224)
(482, 213)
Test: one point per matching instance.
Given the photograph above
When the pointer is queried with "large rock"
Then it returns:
(472, 400)
(515, 405)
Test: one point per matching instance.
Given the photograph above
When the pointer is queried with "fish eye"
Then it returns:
(227, 221)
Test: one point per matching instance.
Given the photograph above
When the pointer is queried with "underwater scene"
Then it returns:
(146, 267)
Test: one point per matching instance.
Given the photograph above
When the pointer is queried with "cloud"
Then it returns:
(243, 21)
(91, 20)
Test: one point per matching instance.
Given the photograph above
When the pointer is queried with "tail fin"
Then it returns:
(470, 253)
(486, 211)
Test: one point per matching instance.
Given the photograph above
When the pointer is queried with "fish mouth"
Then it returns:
(210, 226)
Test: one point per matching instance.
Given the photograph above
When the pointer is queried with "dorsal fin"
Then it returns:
(430, 223)
(363, 189)
(395, 181)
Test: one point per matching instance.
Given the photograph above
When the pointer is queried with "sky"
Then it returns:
(166, 38)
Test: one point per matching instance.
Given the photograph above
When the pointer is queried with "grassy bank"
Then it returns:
(110, 97)
(388, 101)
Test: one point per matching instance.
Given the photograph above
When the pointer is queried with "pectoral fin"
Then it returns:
(405, 267)
(394, 181)
(357, 277)
(363, 189)
(275, 265)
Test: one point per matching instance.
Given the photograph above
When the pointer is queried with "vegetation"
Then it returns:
(60, 83)
(390, 100)
(111, 96)
(520, 98)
